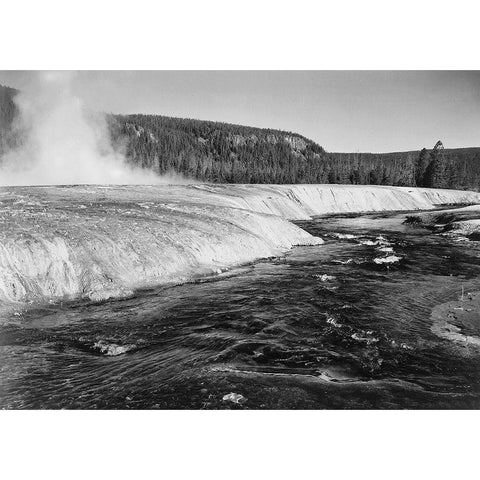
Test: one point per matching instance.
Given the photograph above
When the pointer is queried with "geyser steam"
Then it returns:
(64, 144)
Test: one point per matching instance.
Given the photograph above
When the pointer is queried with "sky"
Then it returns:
(343, 111)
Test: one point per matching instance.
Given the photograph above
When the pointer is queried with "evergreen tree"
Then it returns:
(436, 173)
(422, 163)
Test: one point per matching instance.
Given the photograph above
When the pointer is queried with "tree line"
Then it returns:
(225, 153)
(434, 168)
(220, 152)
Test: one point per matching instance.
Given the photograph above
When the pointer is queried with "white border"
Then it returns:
(239, 445)
(253, 34)
(367, 34)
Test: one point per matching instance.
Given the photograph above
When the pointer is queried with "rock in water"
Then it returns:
(234, 398)
(387, 260)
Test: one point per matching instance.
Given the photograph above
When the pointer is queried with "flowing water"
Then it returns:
(341, 325)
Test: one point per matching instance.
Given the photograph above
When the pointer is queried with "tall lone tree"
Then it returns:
(435, 174)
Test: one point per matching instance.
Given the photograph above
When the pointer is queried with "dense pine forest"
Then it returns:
(220, 152)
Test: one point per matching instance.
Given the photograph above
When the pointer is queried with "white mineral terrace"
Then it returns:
(105, 241)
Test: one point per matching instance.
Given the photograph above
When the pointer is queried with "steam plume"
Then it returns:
(65, 144)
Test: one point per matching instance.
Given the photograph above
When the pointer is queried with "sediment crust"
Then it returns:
(105, 241)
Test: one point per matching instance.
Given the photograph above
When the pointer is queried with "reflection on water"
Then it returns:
(332, 326)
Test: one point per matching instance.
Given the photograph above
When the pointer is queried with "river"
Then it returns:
(330, 326)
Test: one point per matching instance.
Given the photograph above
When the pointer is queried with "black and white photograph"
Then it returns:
(239, 241)
(153, 261)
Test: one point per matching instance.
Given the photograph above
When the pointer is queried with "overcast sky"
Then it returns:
(367, 111)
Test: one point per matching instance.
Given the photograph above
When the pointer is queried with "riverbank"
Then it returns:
(459, 321)
(463, 221)
(99, 242)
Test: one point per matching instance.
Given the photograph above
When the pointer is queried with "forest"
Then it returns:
(220, 152)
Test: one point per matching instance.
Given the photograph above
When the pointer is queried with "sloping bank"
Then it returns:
(459, 221)
(104, 241)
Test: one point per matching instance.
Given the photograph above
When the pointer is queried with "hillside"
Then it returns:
(218, 152)
(225, 153)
